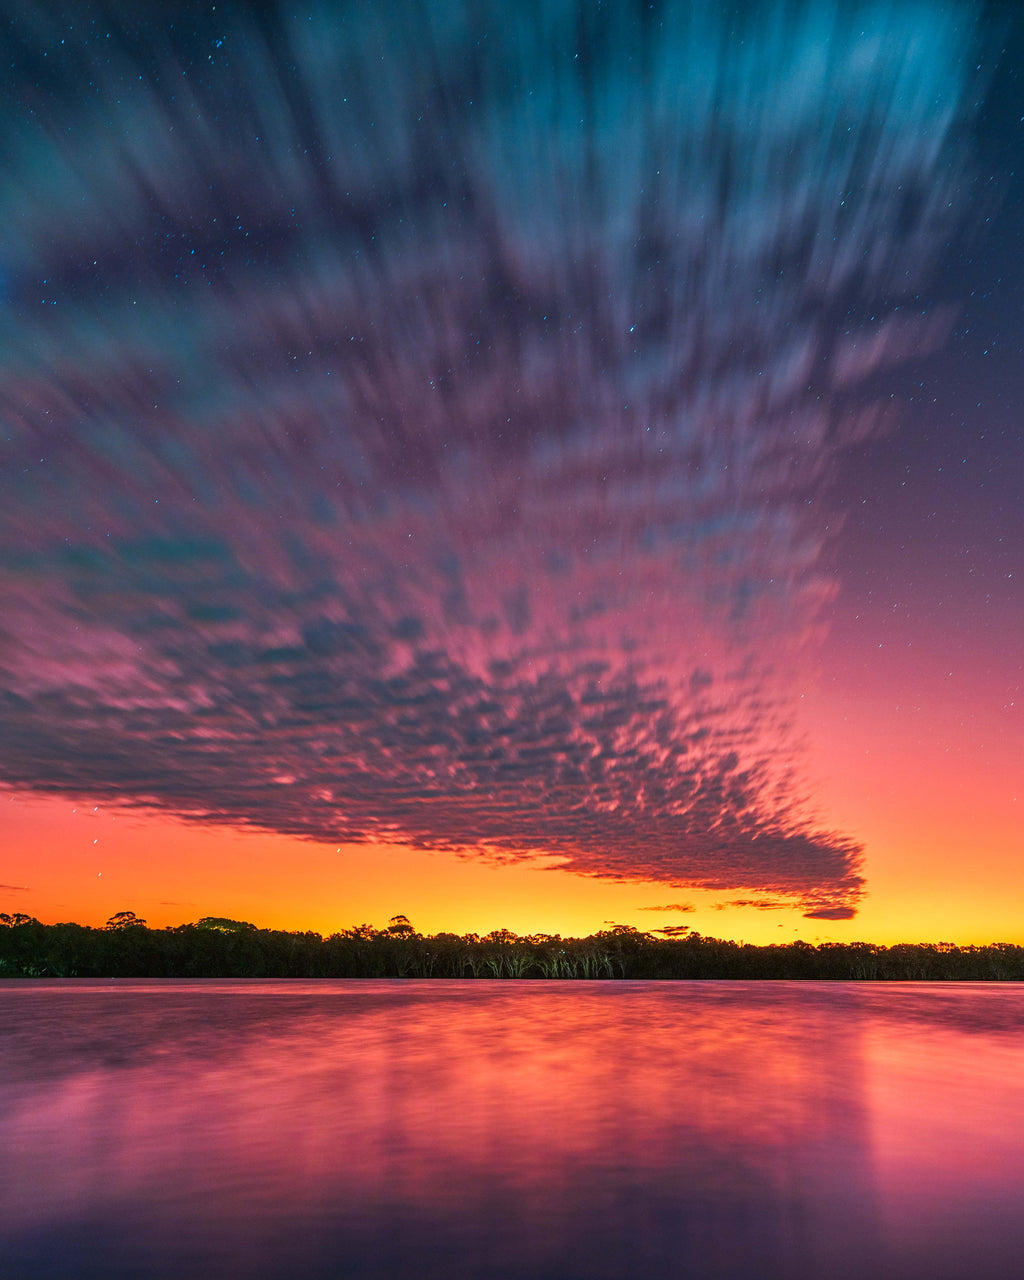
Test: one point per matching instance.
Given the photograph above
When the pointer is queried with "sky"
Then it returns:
(534, 466)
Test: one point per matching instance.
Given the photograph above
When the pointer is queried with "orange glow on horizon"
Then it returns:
(928, 782)
(68, 860)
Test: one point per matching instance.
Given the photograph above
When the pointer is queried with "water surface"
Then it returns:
(538, 1130)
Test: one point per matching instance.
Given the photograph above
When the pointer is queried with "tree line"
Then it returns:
(216, 947)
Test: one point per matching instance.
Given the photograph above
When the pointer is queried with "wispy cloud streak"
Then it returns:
(672, 906)
(418, 420)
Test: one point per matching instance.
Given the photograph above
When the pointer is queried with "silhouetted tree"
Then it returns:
(223, 925)
(124, 920)
(216, 947)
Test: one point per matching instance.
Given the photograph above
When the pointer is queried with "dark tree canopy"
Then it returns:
(216, 947)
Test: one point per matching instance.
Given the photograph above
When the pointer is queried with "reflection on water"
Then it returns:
(535, 1129)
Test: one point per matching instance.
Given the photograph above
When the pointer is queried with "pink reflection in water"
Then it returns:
(511, 1129)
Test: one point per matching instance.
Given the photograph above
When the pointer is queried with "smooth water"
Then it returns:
(541, 1130)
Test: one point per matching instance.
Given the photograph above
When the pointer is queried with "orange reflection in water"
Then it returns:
(499, 1129)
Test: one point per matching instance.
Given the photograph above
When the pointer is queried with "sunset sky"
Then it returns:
(530, 466)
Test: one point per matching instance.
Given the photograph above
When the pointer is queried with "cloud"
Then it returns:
(831, 913)
(672, 906)
(673, 930)
(458, 478)
(16, 888)
(759, 904)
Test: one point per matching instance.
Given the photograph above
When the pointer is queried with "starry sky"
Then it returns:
(521, 466)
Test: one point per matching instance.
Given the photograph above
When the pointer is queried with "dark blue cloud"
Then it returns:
(438, 449)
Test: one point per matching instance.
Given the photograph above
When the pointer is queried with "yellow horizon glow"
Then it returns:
(82, 862)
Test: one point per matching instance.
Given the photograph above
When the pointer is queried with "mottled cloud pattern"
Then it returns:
(417, 421)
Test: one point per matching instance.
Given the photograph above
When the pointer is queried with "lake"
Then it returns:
(507, 1130)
